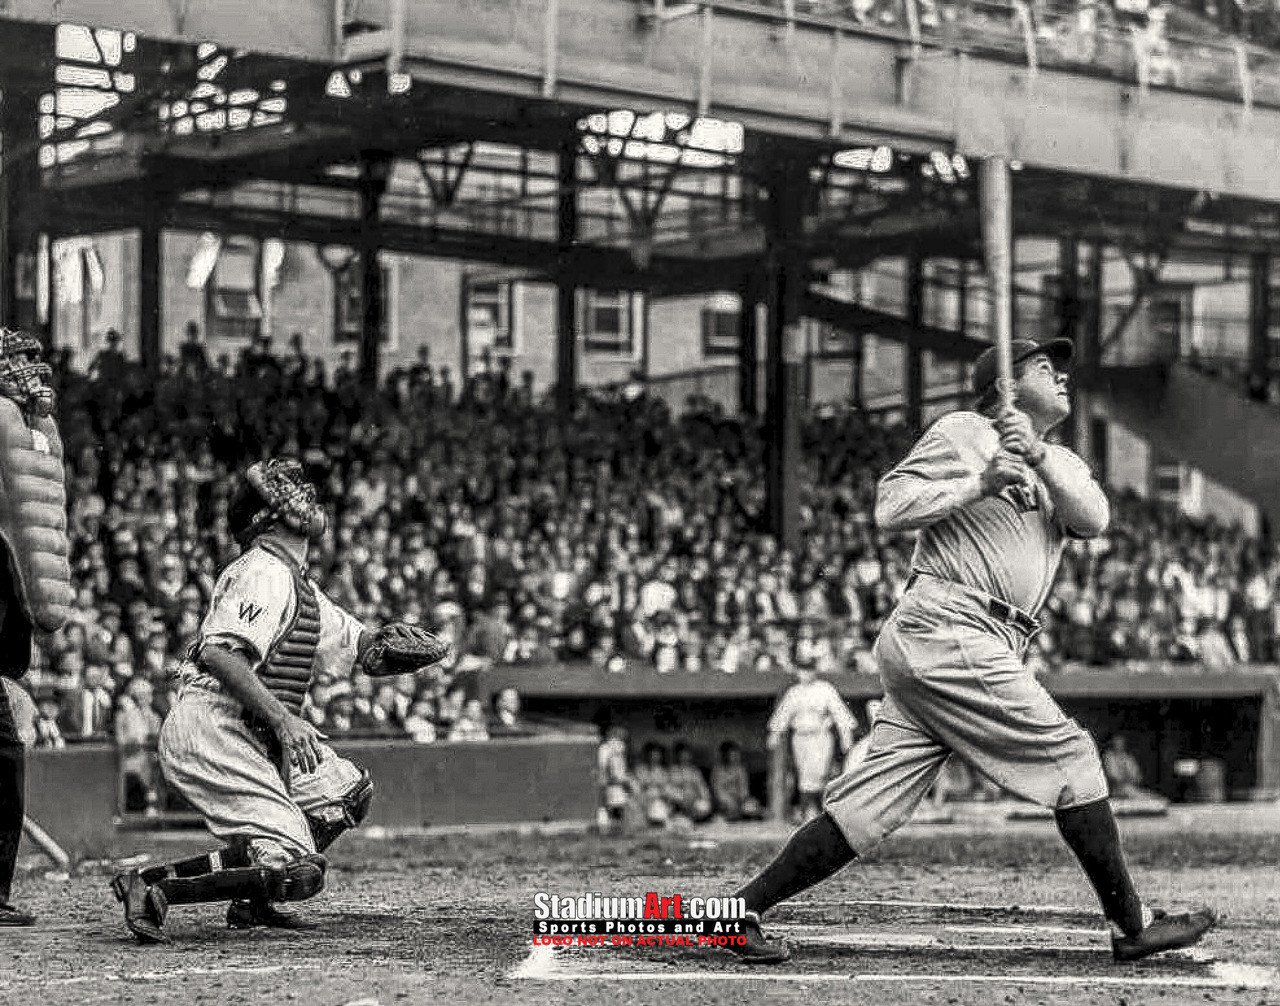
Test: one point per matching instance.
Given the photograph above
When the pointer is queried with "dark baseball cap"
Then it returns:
(1059, 351)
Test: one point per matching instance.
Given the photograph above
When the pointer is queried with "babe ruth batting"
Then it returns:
(993, 503)
(234, 744)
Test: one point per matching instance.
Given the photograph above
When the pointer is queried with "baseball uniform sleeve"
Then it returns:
(845, 724)
(942, 473)
(780, 721)
(339, 637)
(1080, 506)
(252, 601)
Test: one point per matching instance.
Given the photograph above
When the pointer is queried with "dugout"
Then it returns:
(1168, 713)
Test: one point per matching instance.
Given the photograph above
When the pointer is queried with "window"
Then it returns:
(721, 327)
(1170, 308)
(488, 316)
(233, 309)
(348, 303)
(607, 320)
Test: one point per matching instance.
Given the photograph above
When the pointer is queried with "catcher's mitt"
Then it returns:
(400, 648)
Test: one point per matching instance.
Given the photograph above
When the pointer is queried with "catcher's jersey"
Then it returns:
(253, 604)
(1008, 545)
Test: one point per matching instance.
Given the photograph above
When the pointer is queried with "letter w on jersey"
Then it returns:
(249, 611)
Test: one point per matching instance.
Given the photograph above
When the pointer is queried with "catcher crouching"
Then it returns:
(234, 743)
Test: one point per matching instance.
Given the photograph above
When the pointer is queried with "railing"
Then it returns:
(1194, 56)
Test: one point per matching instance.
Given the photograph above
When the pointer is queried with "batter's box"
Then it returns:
(974, 953)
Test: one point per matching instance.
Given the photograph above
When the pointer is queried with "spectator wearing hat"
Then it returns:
(731, 786)
(48, 732)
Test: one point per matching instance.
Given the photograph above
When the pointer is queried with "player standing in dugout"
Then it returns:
(235, 743)
(994, 505)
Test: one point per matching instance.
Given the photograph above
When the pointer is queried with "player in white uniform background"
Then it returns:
(813, 715)
(993, 504)
(234, 743)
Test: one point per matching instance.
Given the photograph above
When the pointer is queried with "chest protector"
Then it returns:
(33, 516)
(286, 671)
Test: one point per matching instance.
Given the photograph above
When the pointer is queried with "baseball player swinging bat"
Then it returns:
(992, 504)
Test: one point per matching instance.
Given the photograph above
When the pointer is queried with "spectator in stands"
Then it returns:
(731, 786)
(137, 730)
(471, 724)
(653, 786)
(420, 724)
(1215, 651)
(507, 721)
(339, 714)
(690, 795)
(48, 734)
(87, 710)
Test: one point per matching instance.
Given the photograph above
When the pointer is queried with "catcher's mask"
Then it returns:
(24, 376)
(275, 491)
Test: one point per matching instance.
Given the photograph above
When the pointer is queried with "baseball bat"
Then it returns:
(46, 842)
(997, 239)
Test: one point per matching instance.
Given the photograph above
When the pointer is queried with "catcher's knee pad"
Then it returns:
(300, 880)
(345, 813)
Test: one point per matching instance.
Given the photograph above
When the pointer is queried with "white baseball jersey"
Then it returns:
(253, 604)
(1008, 545)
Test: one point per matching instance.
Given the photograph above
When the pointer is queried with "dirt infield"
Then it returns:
(984, 912)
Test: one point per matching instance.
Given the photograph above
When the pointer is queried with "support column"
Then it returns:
(749, 348)
(785, 210)
(20, 198)
(1089, 340)
(1259, 323)
(375, 170)
(150, 352)
(913, 390)
(566, 291)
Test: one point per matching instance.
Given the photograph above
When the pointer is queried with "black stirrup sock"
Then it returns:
(814, 852)
(1092, 834)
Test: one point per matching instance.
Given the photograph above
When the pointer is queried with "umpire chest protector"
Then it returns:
(286, 671)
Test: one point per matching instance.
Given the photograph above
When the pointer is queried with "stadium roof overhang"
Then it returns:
(112, 127)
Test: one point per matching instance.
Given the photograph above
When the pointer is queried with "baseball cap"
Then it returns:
(1059, 351)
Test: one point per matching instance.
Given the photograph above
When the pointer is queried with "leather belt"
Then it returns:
(996, 608)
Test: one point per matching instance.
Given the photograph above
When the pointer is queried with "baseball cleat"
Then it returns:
(144, 907)
(243, 914)
(759, 949)
(1165, 932)
(10, 916)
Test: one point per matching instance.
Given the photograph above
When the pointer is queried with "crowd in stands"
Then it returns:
(625, 537)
